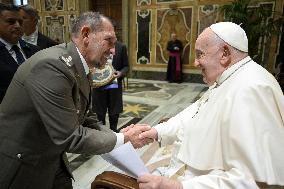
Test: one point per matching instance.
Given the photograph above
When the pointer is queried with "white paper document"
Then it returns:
(126, 158)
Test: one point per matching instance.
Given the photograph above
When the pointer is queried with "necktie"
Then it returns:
(19, 56)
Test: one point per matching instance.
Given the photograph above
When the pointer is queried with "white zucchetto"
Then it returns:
(232, 34)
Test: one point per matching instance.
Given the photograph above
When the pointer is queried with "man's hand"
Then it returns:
(131, 126)
(132, 132)
(127, 128)
(117, 74)
(149, 181)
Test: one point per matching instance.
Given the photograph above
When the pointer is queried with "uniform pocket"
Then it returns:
(17, 151)
(8, 170)
(17, 163)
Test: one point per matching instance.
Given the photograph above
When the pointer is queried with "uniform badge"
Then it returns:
(67, 59)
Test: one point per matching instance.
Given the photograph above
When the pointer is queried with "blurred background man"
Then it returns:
(13, 50)
(30, 28)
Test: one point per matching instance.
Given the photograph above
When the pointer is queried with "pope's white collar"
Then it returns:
(228, 72)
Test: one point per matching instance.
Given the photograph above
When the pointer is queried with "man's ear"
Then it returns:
(226, 56)
(85, 34)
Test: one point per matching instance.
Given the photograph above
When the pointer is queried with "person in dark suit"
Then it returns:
(110, 98)
(45, 112)
(174, 69)
(12, 47)
(31, 33)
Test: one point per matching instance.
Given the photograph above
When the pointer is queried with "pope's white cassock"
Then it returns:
(233, 136)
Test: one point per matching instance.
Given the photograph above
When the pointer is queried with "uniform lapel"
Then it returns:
(84, 84)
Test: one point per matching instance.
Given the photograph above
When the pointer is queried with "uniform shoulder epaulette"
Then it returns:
(67, 59)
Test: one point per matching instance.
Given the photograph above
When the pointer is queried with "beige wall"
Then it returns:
(57, 16)
(185, 17)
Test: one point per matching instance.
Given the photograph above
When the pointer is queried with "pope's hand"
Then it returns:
(149, 181)
(132, 132)
(151, 134)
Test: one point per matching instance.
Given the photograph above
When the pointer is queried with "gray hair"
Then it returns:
(92, 19)
(219, 42)
(30, 11)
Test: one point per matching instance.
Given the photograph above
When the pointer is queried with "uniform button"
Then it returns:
(19, 156)
(78, 111)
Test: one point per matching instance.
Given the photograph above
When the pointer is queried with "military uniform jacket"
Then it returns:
(43, 115)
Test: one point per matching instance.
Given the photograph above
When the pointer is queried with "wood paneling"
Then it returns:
(111, 9)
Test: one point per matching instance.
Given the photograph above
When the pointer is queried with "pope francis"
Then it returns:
(233, 136)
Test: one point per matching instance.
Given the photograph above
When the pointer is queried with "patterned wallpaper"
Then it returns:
(143, 36)
(57, 17)
(173, 21)
(150, 24)
(187, 18)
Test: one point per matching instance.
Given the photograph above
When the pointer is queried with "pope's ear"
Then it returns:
(226, 56)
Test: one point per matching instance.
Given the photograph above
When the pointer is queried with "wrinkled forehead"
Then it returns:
(9, 14)
(107, 28)
(107, 34)
(205, 39)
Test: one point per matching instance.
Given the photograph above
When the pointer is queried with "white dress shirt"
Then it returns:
(32, 38)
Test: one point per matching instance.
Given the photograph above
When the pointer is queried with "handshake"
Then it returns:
(139, 135)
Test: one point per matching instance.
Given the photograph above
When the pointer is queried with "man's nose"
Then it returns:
(112, 51)
(17, 25)
(196, 63)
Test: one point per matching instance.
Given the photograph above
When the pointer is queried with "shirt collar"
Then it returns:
(9, 45)
(85, 65)
(232, 69)
(32, 38)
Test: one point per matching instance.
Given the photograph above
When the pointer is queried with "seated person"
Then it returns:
(233, 136)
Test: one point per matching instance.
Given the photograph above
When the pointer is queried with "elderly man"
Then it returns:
(13, 50)
(45, 111)
(233, 136)
(30, 28)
